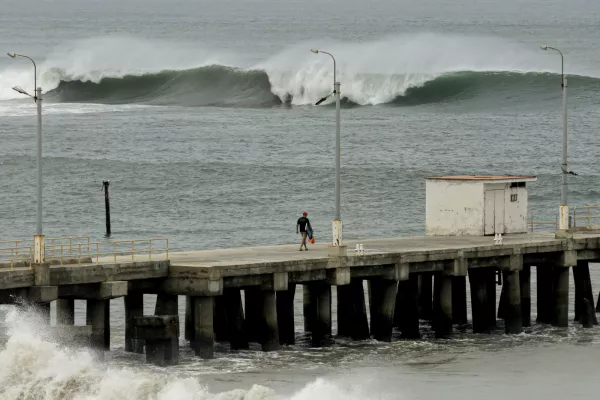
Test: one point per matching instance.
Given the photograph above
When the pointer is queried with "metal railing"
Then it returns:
(532, 223)
(81, 250)
(588, 217)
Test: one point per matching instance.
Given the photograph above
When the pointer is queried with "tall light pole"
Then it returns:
(337, 226)
(38, 239)
(563, 222)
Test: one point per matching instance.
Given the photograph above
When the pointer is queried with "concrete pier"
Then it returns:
(383, 302)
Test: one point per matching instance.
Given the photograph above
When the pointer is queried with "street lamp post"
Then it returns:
(38, 239)
(564, 208)
(337, 226)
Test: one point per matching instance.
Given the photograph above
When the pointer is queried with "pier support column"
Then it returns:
(442, 313)
(426, 296)
(561, 296)
(583, 294)
(253, 319)
(480, 307)
(322, 325)
(545, 293)
(65, 312)
(459, 300)
(512, 310)
(203, 341)
(285, 315)
(382, 293)
(220, 322)
(235, 318)
(268, 329)
(189, 319)
(490, 276)
(525, 282)
(166, 304)
(503, 304)
(134, 307)
(409, 307)
(352, 310)
(96, 316)
(309, 297)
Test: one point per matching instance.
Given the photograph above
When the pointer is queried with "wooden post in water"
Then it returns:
(105, 185)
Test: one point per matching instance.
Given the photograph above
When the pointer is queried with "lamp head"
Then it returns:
(316, 51)
(12, 55)
(544, 47)
(21, 90)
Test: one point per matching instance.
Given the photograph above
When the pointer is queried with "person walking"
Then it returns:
(301, 226)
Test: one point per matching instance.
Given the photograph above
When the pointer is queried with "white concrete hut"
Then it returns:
(476, 205)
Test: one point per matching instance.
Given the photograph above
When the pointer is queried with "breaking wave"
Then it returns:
(405, 70)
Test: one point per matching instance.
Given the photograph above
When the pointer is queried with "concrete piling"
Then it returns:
(235, 318)
(587, 316)
(189, 319)
(480, 306)
(345, 310)
(134, 307)
(352, 311)
(252, 321)
(561, 296)
(545, 293)
(442, 315)
(512, 311)
(268, 331)
(525, 282)
(65, 311)
(161, 335)
(459, 300)
(383, 302)
(220, 322)
(96, 317)
(203, 341)
(321, 332)
(503, 304)
(583, 292)
(285, 315)
(491, 276)
(409, 307)
(166, 304)
(426, 296)
(309, 307)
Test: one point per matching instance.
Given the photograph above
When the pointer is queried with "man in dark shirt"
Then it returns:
(302, 224)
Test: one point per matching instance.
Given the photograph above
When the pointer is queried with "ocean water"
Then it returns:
(201, 114)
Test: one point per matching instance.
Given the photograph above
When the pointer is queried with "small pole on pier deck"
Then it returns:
(105, 185)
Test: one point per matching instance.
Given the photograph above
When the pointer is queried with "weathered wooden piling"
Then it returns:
(65, 311)
(459, 300)
(285, 315)
(161, 336)
(409, 307)
(583, 291)
(442, 313)
(235, 318)
(203, 338)
(545, 293)
(480, 307)
(525, 282)
(561, 296)
(134, 307)
(426, 296)
(382, 293)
